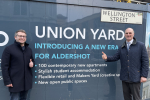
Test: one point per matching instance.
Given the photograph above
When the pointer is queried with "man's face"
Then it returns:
(21, 37)
(129, 34)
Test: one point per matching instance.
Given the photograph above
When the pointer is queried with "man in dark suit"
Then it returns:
(134, 65)
(16, 64)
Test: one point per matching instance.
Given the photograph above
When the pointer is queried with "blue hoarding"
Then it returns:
(67, 41)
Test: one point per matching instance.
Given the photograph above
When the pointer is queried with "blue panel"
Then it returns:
(35, 17)
(148, 8)
(146, 87)
(10, 21)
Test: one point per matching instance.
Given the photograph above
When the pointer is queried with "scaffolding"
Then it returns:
(144, 2)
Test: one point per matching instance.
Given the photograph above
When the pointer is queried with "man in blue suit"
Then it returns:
(134, 65)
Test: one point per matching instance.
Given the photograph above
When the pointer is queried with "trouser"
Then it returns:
(18, 95)
(131, 90)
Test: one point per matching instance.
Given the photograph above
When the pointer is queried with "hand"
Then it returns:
(104, 56)
(143, 79)
(31, 63)
(10, 85)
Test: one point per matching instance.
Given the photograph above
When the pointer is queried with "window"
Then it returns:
(20, 8)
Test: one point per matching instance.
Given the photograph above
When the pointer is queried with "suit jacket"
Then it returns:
(134, 63)
(15, 67)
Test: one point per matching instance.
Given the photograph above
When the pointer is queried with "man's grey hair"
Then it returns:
(21, 30)
(131, 29)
